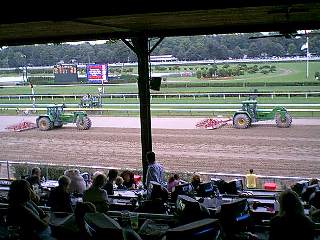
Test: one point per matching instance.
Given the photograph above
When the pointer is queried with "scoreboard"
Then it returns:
(97, 73)
(65, 73)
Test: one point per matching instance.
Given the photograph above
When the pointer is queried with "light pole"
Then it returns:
(25, 71)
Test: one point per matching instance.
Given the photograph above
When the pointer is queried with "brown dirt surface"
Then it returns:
(268, 150)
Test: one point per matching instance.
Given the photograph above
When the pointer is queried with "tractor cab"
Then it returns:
(250, 106)
(55, 111)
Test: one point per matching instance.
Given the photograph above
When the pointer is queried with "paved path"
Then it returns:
(134, 122)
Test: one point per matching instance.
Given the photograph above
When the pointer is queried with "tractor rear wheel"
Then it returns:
(285, 122)
(44, 124)
(83, 123)
(241, 121)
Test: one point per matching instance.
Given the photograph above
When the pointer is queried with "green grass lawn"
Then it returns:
(133, 89)
(286, 72)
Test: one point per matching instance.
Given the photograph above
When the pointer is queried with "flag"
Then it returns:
(304, 46)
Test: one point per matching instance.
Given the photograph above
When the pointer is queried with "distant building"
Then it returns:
(163, 58)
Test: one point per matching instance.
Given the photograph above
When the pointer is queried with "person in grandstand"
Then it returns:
(251, 179)
(291, 222)
(154, 171)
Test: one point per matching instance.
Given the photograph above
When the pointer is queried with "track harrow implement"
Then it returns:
(22, 126)
(211, 123)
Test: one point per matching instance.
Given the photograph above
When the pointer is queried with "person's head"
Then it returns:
(72, 173)
(171, 179)
(82, 208)
(19, 192)
(290, 203)
(99, 180)
(113, 173)
(127, 176)
(151, 157)
(196, 178)
(314, 181)
(119, 181)
(36, 172)
(96, 173)
(158, 192)
(64, 182)
(251, 171)
(176, 177)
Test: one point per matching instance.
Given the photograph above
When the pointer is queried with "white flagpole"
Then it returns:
(307, 56)
(33, 98)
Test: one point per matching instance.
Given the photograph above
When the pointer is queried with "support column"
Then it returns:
(141, 49)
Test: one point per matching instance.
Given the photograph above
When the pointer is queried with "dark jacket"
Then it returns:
(60, 200)
(295, 227)
(109, 187)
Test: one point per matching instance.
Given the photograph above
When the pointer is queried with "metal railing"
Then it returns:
(164, 95)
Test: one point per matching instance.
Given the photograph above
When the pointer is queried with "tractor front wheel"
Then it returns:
(83, 123)
(44, 124)
(283, 122)
(241, 121)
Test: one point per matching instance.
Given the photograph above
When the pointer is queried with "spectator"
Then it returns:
(156, 200)
(59, 198)
(96, 173)
(314, 181)
(314, 210)
(290, 222)
(195, 181)
(251, 179)
(25, 214)
(128, 178)
(77, 184)
(75, 226)
(154, 171)
(96, 195)
(173, 181)
(119, 183)
(35, 179)
(112, 175)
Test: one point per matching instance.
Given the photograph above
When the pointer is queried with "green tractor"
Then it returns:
(55, 118)
(250, 114)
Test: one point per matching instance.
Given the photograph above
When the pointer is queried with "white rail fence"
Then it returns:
(165, 95)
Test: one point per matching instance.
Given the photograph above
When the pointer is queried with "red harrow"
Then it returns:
(22, 126)
(212, 123)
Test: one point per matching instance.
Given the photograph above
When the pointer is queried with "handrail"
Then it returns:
(162, 109)
(176, 104)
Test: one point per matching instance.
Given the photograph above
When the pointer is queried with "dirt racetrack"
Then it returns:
(269, 150)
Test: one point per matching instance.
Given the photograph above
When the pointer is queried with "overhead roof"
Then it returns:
(124, 20)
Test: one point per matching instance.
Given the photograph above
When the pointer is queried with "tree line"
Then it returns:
(184, 48)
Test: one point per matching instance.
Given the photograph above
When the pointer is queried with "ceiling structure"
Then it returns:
(129, 20)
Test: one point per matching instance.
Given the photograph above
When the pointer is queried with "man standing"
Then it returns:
(155, 170)
(251, 179)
